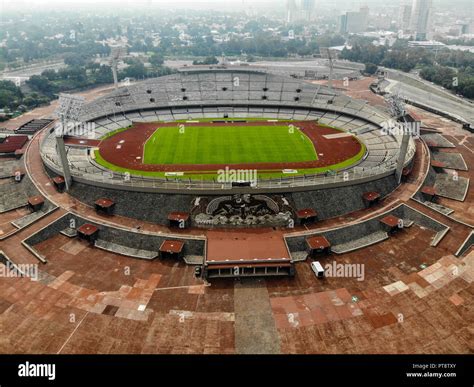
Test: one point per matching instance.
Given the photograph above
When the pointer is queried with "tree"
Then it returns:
(250, 58)
(10, 95)
(135, 70)
(74, 60)
(41, 84)
(50, 74)
(34, 100)
(207, 61)
(370, 68)
(304, 51)
(157, 60)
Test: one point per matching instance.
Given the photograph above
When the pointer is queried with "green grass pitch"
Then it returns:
(228, 145)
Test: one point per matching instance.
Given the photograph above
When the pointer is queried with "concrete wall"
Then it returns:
(337, 236)
(466, 245)
(27, 187)
(151, 207)
(334, 202)
(348, 233)
(130, 239)
(154, 207)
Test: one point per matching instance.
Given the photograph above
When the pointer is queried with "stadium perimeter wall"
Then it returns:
(155, 207)
(346, 234)
(137, 240)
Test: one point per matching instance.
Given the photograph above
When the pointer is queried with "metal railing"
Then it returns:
(107, 177)
(96, 173)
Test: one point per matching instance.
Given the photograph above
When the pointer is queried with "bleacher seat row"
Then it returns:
(234, 93)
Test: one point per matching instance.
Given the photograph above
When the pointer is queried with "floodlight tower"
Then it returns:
(116, 54)
(397, 107)
(69, 110)
(331, 55)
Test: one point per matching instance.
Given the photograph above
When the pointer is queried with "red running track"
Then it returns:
(132, 141)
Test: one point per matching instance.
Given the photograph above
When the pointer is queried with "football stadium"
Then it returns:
(290, 132)
(229, 148)
(192, 213)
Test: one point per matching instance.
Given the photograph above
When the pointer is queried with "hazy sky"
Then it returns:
(137, 3)
(466, 5)
(70, 4)
(175, 3)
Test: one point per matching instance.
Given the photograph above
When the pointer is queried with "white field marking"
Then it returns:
(183, 287)
(143, 155)
(72, 333)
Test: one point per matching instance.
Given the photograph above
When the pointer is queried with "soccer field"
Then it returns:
(228, 145)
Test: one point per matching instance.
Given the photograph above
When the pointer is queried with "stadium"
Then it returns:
(297, 141)
(282, 118)
(172, 201)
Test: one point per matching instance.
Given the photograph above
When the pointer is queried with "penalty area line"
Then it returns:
(146, 141)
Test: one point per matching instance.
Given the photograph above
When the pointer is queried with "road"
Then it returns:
(37, 69)
(424, 92)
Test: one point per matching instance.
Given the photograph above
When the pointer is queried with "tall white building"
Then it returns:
(299, 10)
(420, 20)
(307, 8)
(291, 10)
(404, 16)
(354, 21)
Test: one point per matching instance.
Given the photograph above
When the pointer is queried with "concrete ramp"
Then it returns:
(255, 330)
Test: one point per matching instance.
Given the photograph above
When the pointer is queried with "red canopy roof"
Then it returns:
(317, 242)
(13, 143)
(169, 246)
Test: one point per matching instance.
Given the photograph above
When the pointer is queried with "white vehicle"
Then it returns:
(318, 269)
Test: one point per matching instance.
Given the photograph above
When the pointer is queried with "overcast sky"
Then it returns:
(174, 3)
(113, 4)
(465, 5)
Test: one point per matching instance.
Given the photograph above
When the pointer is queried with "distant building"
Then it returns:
(307, 8)
(18, 81)
(299, 10)
(381, 38)
(466, 28)
(460, 28)
(461, 48)
(291, 10)
(365, 10)
(428, 44)
(354, 22)
(404, 16)
(420, 20)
